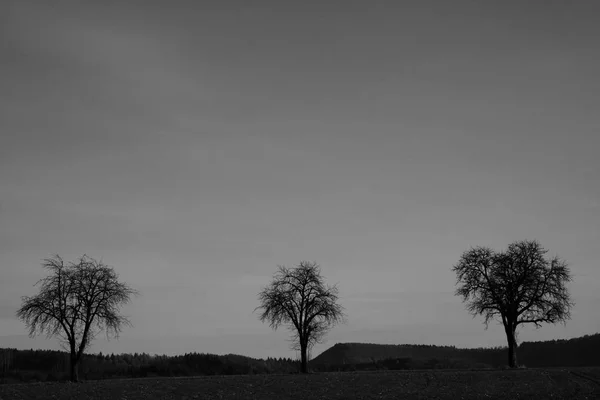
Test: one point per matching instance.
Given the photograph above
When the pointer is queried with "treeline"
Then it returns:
(366, 356)
(578, 352)
(48, 365)
(402, 363)
(19, 366)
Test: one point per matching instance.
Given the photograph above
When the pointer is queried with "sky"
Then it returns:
(196, 145)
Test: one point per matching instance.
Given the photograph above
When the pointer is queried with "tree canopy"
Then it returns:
(518, 286)
(299, 298)
(76, 301)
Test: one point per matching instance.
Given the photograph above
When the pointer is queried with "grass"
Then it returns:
(568, 383)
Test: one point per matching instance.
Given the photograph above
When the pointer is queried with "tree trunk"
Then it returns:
(74, 369)
(512, 347)
(304, 359)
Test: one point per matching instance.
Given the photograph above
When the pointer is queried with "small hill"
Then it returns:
(356, 353)
(577, 352)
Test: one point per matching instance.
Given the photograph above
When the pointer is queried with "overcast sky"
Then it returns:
(196, 145)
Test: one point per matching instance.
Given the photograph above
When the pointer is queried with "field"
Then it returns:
(571, 383)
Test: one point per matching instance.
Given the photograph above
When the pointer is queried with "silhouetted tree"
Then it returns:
(76, 302)
(519, 285)
(299, 298)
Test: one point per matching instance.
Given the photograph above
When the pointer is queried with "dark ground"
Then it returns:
(557, 383)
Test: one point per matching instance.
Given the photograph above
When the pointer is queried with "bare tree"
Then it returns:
(76, 301)
(299, 298)
(520, 286)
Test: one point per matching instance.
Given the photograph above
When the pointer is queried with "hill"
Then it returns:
(578, 352)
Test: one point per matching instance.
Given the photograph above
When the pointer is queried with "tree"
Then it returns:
(76, 301)
(299, 298)
(520, 286)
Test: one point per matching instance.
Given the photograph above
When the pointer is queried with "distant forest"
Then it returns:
(17, 366)
(578, 352)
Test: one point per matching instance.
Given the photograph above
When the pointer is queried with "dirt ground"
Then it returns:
(568, 383)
